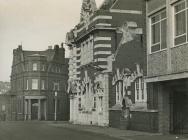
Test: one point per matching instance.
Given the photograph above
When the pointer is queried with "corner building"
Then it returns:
(38, 82)
(93, 42)
(167, 64)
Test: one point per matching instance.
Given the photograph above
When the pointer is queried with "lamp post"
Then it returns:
(55, 114)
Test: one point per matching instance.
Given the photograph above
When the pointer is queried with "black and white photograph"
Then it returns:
(93, 69)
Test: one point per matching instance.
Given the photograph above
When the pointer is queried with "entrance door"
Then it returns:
(34, 111)
(180, 113)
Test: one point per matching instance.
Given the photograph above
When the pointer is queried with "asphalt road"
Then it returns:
(42, 131)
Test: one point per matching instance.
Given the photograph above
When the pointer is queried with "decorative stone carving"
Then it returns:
(88, 8)
(127, 76)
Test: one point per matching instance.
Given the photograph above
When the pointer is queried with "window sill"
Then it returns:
(179, 45)
(151, 53)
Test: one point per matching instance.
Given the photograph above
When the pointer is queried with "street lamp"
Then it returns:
(55, 114)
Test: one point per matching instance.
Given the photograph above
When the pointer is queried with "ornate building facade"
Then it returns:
(90, 45)
(38, 83)
(108, 57)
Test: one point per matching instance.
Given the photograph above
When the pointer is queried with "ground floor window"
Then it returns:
(140, 90)
(79, 104)
(119, 91)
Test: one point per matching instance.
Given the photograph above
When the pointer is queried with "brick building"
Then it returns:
(38, 82)
(91, 44)
(107, 42)
(128, 65)
(167, 64)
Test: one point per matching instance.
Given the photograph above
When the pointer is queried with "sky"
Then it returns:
(36, 24)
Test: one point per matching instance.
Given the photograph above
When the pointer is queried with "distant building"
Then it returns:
(4, 87)
(38, 83)
(167, 63)
(5, 107)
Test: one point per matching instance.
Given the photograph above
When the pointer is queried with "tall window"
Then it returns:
(137, 88)
(87, 51)
(181, 18)
(119, 91)
(34, 66)
(158, 31)
(94, 102)
(140, 92)
(79, 103)
(27, 84)
(34, 84)
(56, 86)
(3, 108)
(142, 89)
(43, 84)
(43, 67)
(101, 103)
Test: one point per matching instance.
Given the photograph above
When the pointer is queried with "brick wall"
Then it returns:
(155, 4)
(144, 121)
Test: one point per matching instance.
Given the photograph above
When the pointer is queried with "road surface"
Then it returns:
(42, 131)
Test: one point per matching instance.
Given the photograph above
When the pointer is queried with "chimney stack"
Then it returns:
(49, 47)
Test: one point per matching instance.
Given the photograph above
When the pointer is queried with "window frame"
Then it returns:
(32, 87)
(94, 102)
(42, 84)
(119, 91)
(56, 84)
(140, 90)
(87, 51)
(161, 19)
(79, 103)
(27, 84)
(34, 67)
(174, 23)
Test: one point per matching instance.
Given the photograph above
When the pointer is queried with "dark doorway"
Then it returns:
(34, 110)
(180, 113)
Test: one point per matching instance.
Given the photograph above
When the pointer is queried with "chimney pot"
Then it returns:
(49, 47)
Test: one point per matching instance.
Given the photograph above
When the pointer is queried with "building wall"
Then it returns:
(167, 68)
(5, 107)
(51, 68)
(87, 114)
(173, 59)
(107, 27)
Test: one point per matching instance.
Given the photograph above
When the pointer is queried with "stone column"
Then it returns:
(55, 114)
(45, 110)
(25, 110)
(29, 109)
(39, 109)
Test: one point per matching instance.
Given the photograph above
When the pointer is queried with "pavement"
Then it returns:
(35, 130)
(119, 134)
